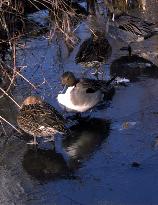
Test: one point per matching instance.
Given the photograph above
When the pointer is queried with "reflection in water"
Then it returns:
(132, 67)
(44, 164)
(17, 27)
(88, 135)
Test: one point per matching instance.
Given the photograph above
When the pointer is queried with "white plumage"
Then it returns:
(86, 100)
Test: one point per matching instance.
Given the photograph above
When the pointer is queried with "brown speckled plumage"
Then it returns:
(40, 119)
(94, 51)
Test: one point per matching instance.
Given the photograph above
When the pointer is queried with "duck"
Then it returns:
(94, 51)
(80, 95)
(131, 29)
(133, 68)
(39, 119)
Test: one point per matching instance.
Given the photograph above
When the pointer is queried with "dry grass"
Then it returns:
(62, 18)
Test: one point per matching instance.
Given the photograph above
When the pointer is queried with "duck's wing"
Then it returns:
(41, 115)
(88, 85)
(92, 85)
(27, 118)
(133, 25)
(85, 51)
(103, 49)
(85, 95)
(50, 117)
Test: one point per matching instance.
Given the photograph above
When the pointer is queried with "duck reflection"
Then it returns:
(133, 67)
(45, 164)
(88, 135)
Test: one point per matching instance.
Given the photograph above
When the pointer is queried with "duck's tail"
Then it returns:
(153, 33)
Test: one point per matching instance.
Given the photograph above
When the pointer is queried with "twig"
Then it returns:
(26, 80)
(10, 97)
(10, 124)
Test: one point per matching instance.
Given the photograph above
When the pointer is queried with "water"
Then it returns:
(104, 145)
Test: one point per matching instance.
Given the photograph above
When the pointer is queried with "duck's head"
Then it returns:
(68, 79)
(31, 100)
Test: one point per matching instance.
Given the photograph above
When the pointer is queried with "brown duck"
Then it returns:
(94, 52)
(40, 119)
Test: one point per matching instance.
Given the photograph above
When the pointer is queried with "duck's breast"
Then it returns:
(79, 100)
